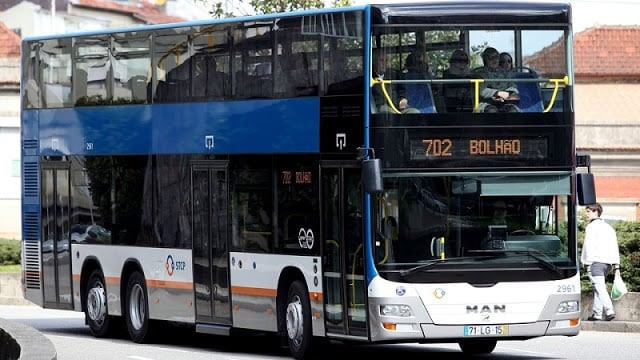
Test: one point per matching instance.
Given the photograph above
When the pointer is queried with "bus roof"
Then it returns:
(465, 12)
(262, 17)
(444, 12)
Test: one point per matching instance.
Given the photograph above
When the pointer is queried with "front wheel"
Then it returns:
(478, 346)
(95, 310)
(137, 309)
(298, 320)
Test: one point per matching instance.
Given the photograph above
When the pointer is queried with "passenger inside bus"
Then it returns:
(419, 95)
(458, 96)
(496, 95)
(506, 61)
(396, 92)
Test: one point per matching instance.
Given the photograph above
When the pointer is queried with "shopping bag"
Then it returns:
(619, 287)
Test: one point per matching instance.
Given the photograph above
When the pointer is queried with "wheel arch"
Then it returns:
(88, 267)
(287, 276)
(130, 266)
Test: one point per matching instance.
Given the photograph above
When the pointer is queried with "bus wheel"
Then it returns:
(298, 320)
(476, 347)
(137, 309)
(96, 305)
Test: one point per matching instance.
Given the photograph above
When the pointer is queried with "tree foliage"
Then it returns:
(218, 10)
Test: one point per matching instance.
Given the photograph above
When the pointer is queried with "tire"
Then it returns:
(298, 321)
(477, 347)
(96, 311)
(137, 309)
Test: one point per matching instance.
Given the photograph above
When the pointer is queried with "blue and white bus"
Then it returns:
(236, 174)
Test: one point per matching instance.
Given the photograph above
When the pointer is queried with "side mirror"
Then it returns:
(586, 189)
(372, 176)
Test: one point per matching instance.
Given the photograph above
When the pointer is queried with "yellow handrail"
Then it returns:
(476, 93)
(476, 84)
(375, 82)
(565, 80)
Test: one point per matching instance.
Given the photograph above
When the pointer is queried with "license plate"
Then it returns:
(486, 330)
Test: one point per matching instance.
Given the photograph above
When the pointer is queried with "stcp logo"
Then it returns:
(170, 265)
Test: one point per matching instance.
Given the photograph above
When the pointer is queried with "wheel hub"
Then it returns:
(96, 304)
(294, 319)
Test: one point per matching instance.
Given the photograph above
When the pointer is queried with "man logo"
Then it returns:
(486, 309)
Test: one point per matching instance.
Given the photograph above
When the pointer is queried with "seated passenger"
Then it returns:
(496, 95)
(397, 93)
(419, 95)
(458, 97)
(506, 62)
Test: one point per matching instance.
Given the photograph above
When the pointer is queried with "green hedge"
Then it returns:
(10, 251)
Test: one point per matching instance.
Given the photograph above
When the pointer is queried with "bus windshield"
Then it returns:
(472, 221)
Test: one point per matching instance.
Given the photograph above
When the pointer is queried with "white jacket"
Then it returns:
(600, 244)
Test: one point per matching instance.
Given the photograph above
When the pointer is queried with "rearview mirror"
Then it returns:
(462, 186)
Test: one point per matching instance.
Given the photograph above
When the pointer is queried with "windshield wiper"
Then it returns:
(541, 257)
(422, 266)
(430, 263)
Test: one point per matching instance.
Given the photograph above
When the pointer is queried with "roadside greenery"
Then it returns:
(9, 252)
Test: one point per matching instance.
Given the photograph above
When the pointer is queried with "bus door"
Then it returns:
(56, 262)
(210, 248)
(343, 261)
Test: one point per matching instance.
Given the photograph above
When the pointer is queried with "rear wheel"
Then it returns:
(96, 312)
(476, 347)
(298, 320)
(137, 309)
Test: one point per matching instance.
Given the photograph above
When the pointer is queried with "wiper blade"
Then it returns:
(430, 263)
(541, 257)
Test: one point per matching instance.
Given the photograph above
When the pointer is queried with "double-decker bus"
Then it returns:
(237, 174)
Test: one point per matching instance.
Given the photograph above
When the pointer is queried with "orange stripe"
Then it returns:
(183, 285)
(253, 291)
(114, 280)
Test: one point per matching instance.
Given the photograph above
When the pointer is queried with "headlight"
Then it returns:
(396, 310)
(568, 306)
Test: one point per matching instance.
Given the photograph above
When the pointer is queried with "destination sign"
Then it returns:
(449, 148)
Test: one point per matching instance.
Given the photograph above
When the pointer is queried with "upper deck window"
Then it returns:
(445, 62)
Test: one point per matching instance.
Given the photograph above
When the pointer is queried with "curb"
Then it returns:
(25, 342)
(610, 326)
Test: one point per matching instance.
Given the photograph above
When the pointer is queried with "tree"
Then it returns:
(219, 10)
(271, 6)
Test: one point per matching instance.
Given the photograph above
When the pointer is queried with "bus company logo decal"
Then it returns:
(174, 265)
(170, 265)
(305, 238)
(439, 293)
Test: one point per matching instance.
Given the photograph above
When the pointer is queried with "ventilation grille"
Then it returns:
(30, 179)
(31, 256)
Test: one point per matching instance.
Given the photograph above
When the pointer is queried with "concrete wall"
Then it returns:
(627, 308)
